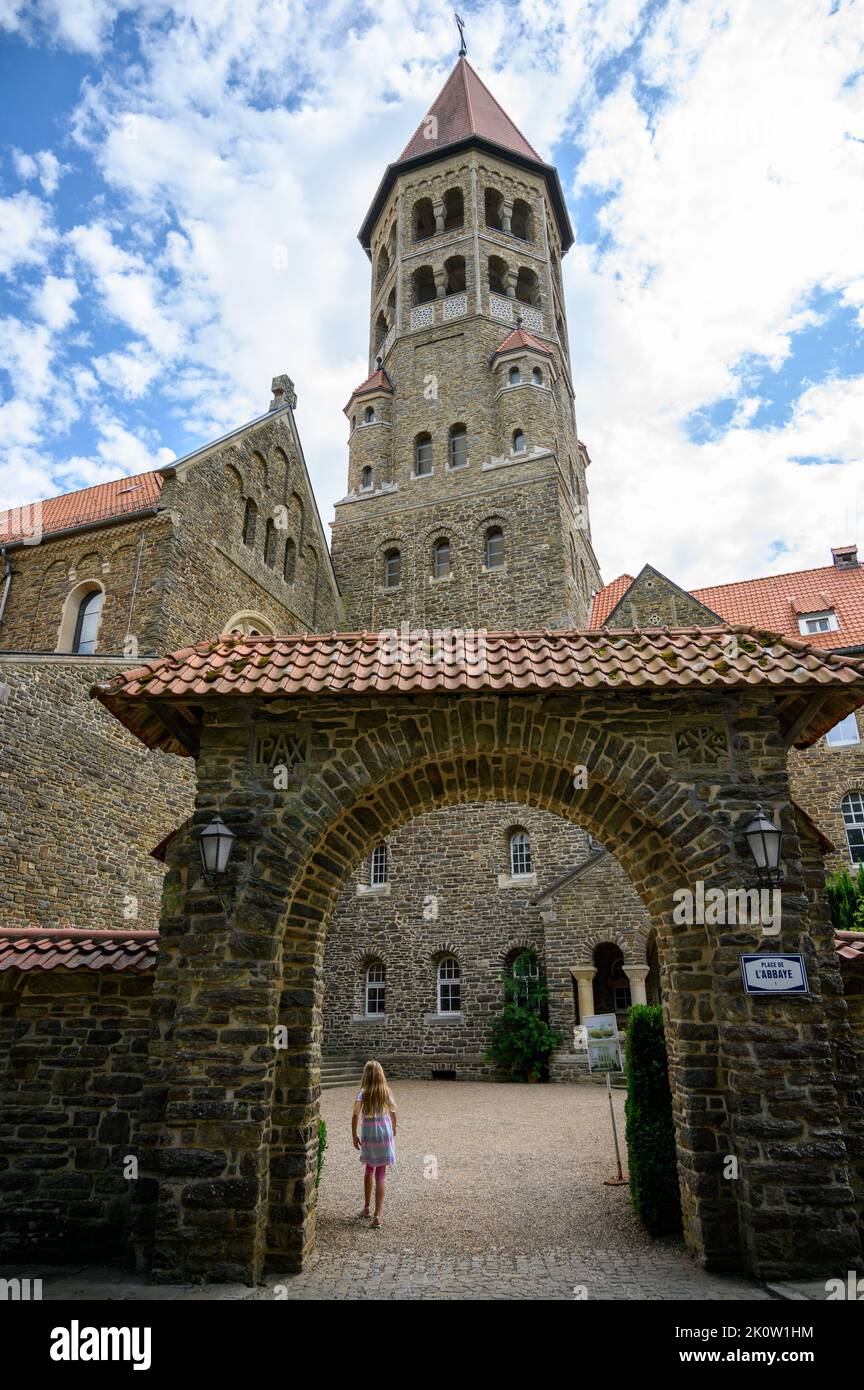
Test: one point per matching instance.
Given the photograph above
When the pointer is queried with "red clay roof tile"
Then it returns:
(520, 339)
(32, 948)
(89, 504)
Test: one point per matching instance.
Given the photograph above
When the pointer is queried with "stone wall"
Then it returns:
(820, 777)
(83, 802)
(74, 1068)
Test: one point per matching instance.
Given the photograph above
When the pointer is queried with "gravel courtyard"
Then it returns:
(519, 1168)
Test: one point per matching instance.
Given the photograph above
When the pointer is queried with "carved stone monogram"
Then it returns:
(280, 747)
(702, 745)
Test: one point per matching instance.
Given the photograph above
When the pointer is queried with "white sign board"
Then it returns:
(774, 974)
(604, 1043)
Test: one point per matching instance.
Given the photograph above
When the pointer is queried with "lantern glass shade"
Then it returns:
(215, 843)
(764, 839)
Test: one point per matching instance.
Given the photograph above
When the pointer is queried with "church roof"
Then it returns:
(161, 702)
(466, 107)
(468, 115)
(104, 502)
(378, 381)
(520, 339)
(773, 602)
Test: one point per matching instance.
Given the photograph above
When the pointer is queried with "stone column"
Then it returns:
(584, 977)
(440, 283)
(637, 975)
(510, 283)
(438, 209)
(506, 216)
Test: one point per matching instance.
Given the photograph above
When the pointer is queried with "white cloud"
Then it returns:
(130, 372)
(43, 165)
(119, 453)
(26, 233)
(53, 301)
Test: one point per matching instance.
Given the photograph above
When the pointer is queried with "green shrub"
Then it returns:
(322, 1145)
(846, 899)
(521, 1041)
(650, 1131)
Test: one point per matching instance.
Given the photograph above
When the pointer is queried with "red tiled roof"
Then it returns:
(362, 663)
(773, 602)
(850, 946)
(378, 381)
(465, 107)
(32, 948)
(520, 339)
(89, 504)
(605, 599)
(776, 601)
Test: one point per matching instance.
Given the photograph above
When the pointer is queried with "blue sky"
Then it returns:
(181, 187)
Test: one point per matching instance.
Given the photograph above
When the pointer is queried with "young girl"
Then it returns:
(376, 1111)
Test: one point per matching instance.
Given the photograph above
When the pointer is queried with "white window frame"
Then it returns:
(379, 866)
(521, 855)
(375, 989)
(826, 616)
(853, 823)
(846, 732)
(446, 984)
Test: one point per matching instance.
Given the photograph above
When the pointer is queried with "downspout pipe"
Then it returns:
(7, 582)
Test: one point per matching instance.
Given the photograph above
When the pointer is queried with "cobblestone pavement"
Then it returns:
(498, 1193)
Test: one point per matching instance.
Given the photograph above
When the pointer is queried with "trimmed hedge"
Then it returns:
(650, 1131)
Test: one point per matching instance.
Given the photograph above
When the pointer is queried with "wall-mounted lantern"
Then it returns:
(765, 840)
(215, 842)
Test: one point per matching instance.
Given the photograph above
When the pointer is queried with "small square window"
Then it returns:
(809, 624)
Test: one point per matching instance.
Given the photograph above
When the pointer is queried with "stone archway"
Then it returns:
(232, 1119)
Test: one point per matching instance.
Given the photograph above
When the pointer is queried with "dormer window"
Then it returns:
(811, 623)
(366, 479)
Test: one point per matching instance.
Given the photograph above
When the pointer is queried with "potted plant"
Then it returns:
(521, 1040)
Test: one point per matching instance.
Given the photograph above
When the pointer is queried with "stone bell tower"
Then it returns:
(467, 500)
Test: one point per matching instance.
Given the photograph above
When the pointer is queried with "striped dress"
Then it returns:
(377, 1144)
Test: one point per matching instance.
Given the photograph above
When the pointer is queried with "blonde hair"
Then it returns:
(375, 1092)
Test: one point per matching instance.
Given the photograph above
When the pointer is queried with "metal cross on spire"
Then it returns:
(460, 25)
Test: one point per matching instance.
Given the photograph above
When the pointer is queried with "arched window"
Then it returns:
(270, 542)
(391, 306)
(494, 548)
(528, 287)
(537, 376)
(518, 442)
(449, 986)
(454, 210)
(289, 568)
(852, 807)
(250, 522)
(87, 622)
(441, 560)
(248, 624)
(454, 269)
(376, 985)
(423, 219)
(521, 859)
(423, 455)
(525, 974)
(369, 415)
(497, 275)
(381, 329)
(379, 865)
(366, 479)
(383, 267)
(423, 286)
(458, 446)
(520, 222)
(492, 201)
(515, 376)
(583, 579)
(392, 569)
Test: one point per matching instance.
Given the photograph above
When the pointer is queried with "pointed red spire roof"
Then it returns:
(520, 339)
(378, 381)
(466, 107)
(468, 114)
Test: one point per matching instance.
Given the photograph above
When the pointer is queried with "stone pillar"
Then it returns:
(584, 977)
(510, 283)
(506, 216)
(637, 975)
(438, 209)
(440, 283)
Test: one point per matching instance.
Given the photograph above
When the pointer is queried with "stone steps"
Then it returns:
(342, 1070)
